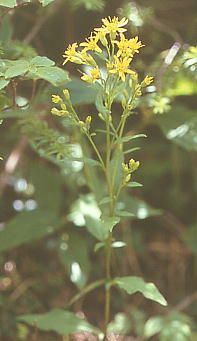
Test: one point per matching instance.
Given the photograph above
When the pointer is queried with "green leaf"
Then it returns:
(73, 254)
(19, 67)
(131, 150)
(120, 325)
(53, 75)
(8, 3)
(139, 208)
(133, 284)
(125, 214)
(3, 82)
(45, 2)
(80, 92)
(100, 228)
(105, 200)
(98, 246)
(60, 321)
(42, 61)
(134, 184)
(27, 226)
(180, 126)
(100, 106)
(153, 326)
(131, 137)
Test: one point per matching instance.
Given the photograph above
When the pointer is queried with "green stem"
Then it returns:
(85, 290)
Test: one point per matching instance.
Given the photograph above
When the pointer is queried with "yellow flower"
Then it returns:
(112, 25)
(91, 44)
(70, 52)
(100, 35)
(121, 67)
(133, 165)
(94, 75)
(147, 81)
(135, 45)
(56, 99)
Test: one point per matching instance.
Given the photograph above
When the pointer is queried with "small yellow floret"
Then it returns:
(91, 44)
(121, 67)
(56, 99)
(112, 25)
(70, 52)
(147, 81)
(94, 75)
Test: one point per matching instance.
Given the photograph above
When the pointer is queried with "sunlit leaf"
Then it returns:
(19, 67)
(74, 255)
(59, 321)
(8, 3)
(42, 61)
(52, 74)
(45, 2)
(26, 227)
(133, 284)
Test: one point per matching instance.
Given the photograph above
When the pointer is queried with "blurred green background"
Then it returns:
(46, 252)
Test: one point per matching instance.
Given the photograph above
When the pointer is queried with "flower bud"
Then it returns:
(66, 94)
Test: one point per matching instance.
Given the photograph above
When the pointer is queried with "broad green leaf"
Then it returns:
(19, 67)
(80, 92)
(180, 126)
(100, 228)
(120, 325)
(45, 2)
(60, 321)
(52, 74)
(27, 226)
(176, 331)
(42, 61)
(8, 3)
(47, 184)
(73, 254)
(133, 284)
(153, 326)
(134, 184)
(139, 208)
(3, 82)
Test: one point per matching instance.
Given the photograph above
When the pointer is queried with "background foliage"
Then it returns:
(46, 253)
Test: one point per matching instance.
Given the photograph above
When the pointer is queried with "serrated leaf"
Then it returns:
(3, 82)
(45, 2)
(60, 321)
(26, 227)
(19, 67)
(8, 3)
(42, 61)
(53, 75)
(134, 184)
(132, 284)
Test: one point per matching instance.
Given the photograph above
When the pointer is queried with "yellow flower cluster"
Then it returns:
(120, 51)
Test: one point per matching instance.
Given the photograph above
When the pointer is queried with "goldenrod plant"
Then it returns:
(106, 59)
